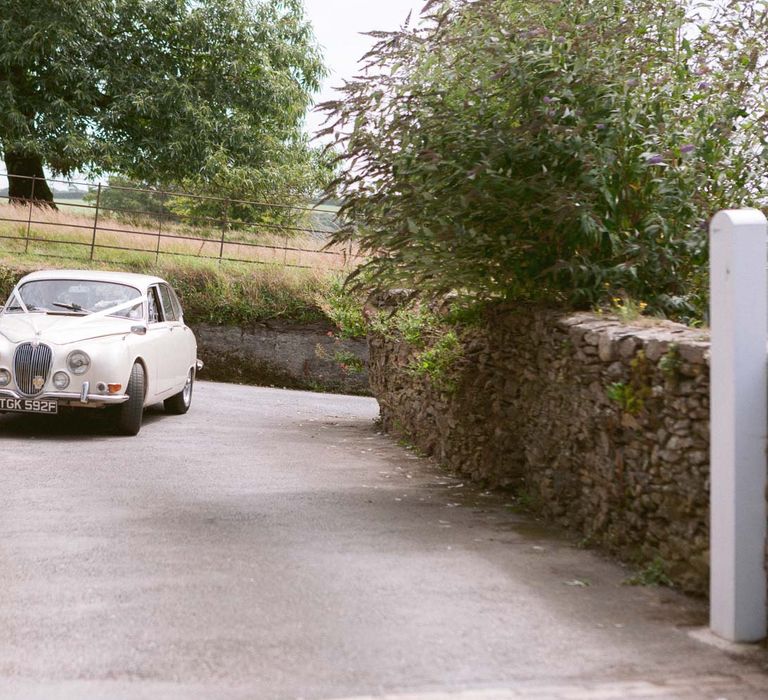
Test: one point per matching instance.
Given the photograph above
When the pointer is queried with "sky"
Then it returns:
(338, 27)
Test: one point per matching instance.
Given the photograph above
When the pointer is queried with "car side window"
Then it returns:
(169, 310)
(176, 304)
(153, 306)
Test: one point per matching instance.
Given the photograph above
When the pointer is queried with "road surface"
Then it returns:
(274, 545)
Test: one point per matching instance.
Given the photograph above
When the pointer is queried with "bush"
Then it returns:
(568, 151)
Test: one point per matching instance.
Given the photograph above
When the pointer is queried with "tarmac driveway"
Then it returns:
(272, 544)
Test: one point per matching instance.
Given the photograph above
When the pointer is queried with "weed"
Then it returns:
(438, 361)
(626, 396)
(670, 363)
(627, 309)
(524, 501)
(654, 574)
(349, 362)
(344, 308)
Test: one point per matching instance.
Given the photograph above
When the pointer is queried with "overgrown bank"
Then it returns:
(262, 325)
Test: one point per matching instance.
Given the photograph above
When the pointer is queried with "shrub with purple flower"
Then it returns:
(599, 136)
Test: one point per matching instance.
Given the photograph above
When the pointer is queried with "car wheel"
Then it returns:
(129, 414)
(180, 403)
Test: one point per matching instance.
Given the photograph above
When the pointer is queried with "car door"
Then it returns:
(176, 362)
(161, 344)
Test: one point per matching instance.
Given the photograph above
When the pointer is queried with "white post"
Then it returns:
(738, 405)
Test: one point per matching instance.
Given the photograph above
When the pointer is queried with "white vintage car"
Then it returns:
(95, 340)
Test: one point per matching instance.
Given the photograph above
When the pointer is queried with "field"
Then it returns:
(78, 231)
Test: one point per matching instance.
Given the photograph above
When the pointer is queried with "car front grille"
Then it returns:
(31, 364)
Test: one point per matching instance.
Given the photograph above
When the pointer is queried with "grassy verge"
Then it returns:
(228, 293)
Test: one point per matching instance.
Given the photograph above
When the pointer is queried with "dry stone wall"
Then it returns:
(600, 426)
(284, 354)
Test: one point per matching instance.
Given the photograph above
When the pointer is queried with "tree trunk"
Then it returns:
(26, 180)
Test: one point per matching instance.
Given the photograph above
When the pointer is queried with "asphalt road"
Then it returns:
(272, 544)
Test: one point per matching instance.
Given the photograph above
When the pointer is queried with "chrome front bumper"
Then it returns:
(84, 398)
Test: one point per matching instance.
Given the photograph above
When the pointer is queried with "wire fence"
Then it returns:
(118, 222)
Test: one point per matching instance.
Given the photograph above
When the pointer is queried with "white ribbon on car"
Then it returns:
(90, 316)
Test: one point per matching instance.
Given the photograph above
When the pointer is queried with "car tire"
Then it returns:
(128, 415)
(179, 403)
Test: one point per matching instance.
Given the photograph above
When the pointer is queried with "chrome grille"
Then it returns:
(31, 361)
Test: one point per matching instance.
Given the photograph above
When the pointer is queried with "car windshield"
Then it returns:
(78, 297)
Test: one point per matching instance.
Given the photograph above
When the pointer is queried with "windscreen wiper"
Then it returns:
(71, 307)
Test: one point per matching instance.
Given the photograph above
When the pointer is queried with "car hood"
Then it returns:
(60, 330)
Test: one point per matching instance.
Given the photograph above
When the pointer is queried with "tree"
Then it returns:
(566, 151)
(161, 91)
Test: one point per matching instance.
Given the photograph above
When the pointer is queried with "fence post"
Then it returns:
(29, 217)
(224, 226)
(738, 405)
(161, 216)
(96, 220)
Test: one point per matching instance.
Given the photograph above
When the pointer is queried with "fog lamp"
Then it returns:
(5, 377)
(61, 380)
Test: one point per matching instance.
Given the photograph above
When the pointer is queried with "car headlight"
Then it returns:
(78, 362)
(5, 377)
(61, 380)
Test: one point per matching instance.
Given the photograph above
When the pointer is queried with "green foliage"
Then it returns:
(129, 201)
(228, 297)
(50, 90)
(170, 92)
(655, 574)
(349, 362)
(256, 195)
(565, 151)
(415, 324)
(631, 396)
(670, 363)
(628, 310)
(344, 308)
(438, 361)
(626, 397)
(525, 501)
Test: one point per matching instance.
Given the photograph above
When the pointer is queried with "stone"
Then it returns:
(655, 349)
(607, 348)
(627, 347)
(693, 352)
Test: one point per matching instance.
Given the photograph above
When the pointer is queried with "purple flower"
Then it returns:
(547, 100)
(703, 85)
(632, 82)
(687, 148)
(600, 126)
(655, 160)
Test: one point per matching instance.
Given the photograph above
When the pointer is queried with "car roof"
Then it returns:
(130, 278)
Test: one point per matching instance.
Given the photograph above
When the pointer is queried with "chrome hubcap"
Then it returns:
(187, 394)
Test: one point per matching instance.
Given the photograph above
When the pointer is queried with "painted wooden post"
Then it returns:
(739, 404)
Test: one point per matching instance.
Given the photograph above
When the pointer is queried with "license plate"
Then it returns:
(29, 405)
